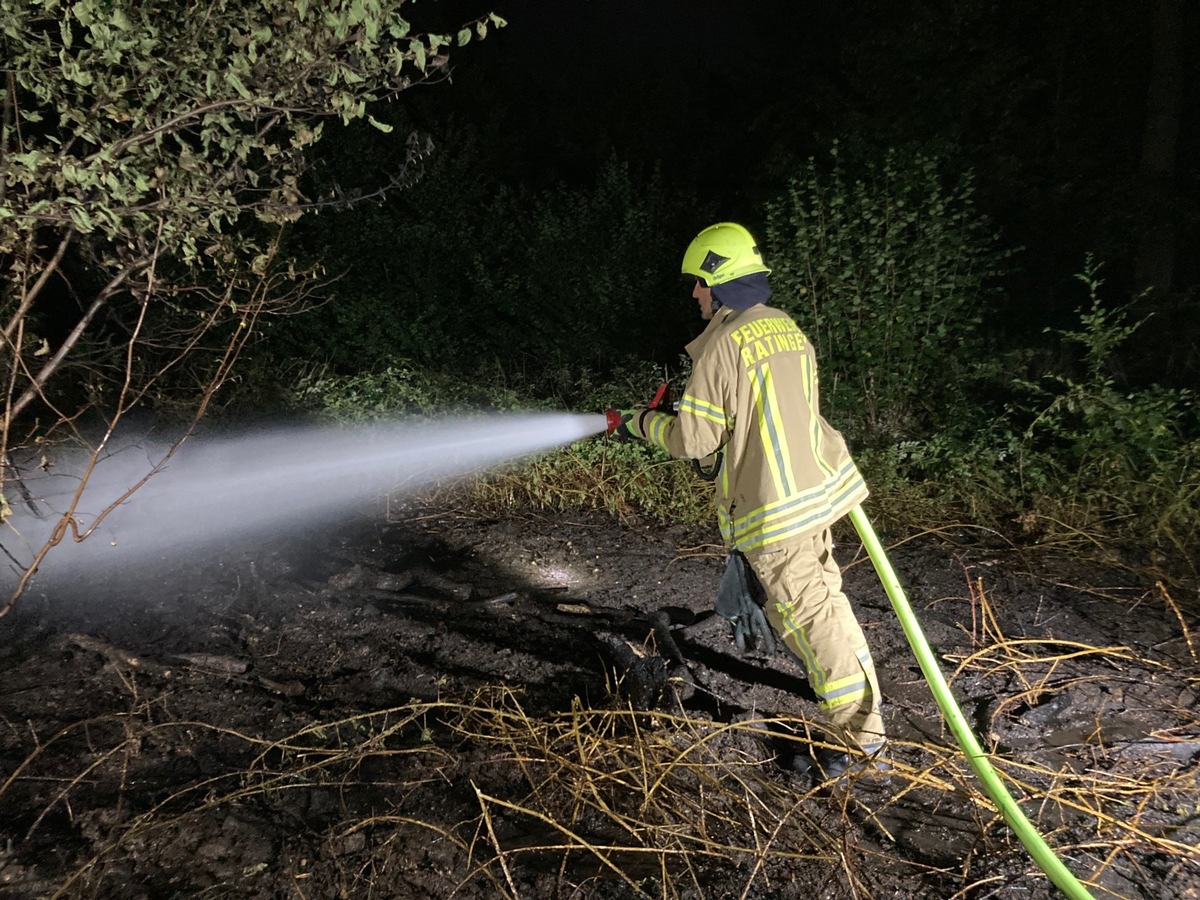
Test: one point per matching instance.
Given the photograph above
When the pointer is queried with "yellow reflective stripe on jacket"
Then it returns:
(691, 405)
(656, 429)
(796, 515)
(808, 377)
(766, 403)
(697, 417)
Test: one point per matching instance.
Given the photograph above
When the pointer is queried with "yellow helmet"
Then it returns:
(721, 253)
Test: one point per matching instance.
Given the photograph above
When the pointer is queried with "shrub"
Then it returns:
(459, 272)
(888, 266)
(1093, 453)
(577, 276)
(401, 389)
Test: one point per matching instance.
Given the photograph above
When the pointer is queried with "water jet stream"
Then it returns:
(268, 483)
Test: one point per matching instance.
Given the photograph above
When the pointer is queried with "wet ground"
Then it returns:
(441, 705)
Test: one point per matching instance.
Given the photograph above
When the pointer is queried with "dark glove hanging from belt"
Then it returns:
(737, 601)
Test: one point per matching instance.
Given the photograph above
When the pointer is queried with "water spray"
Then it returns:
(1054, 868)
(268, 483)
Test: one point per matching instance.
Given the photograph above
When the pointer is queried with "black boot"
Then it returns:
(837, 767)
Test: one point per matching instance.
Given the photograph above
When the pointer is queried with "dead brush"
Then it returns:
(646, 797)
(322, 755)
(656, 802)
(1131, 809)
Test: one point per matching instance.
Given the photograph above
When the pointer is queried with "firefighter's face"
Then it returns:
(703, 296)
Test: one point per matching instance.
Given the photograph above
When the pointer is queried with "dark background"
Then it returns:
(1050, 104)
(1048, 101)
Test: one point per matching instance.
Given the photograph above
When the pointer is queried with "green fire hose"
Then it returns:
(1058, 873)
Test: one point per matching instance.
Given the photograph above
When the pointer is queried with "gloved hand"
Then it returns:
(631, 425)
(736, 602)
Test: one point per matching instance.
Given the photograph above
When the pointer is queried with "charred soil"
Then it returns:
(449, 705)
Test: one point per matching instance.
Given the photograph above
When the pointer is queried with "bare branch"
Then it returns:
(28, 296)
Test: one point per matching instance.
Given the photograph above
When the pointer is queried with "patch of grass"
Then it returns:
(625, 479)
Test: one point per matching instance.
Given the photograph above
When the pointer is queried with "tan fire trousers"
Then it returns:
(807, 608)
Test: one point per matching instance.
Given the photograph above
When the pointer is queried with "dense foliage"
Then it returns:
(150, 159)
(890, 267)
(466, 272)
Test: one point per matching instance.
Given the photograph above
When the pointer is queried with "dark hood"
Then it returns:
(744, 292)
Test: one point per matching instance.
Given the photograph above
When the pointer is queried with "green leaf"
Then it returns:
(464, 37)
(83, 12)
(237, 84)
(416, 52)
(82, 220)
(382, 126)
(31, 160)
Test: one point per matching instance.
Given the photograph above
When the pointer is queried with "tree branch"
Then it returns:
(67, 345)
(31, 295)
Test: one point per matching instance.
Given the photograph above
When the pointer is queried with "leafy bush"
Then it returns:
(1092, 453)
(888, 266)
(401, 389)
(400, 263)
(580, 276)
(1073, 457)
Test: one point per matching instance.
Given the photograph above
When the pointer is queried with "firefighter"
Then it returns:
(785, 477)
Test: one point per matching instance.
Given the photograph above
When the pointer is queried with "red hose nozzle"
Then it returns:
(612, 419)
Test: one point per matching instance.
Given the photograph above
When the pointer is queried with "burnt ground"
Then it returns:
(439, 706)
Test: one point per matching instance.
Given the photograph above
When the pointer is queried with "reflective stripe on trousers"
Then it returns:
(807, 608)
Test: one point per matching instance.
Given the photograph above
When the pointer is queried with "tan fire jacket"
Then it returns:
(753, 393)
